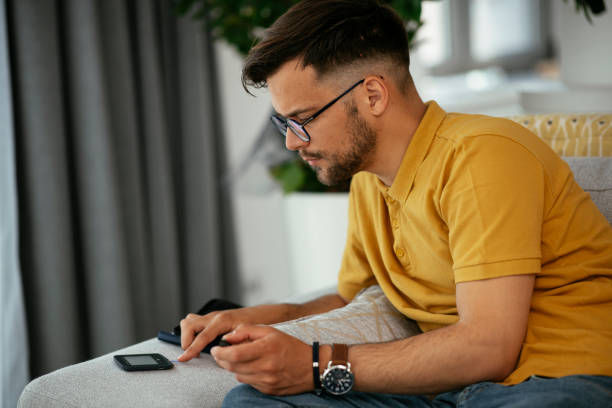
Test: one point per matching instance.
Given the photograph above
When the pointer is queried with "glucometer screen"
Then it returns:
(140, 360)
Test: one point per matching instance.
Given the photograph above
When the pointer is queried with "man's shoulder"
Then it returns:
(461, 127)
(488, 135)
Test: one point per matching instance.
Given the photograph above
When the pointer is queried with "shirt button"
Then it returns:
(395, 223)
(391, 200)
(400, 252)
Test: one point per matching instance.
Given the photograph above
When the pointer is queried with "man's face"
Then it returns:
(341, 142)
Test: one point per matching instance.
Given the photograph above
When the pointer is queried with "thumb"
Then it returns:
(247, 333)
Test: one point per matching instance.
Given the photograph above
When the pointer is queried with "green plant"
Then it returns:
(239, 22)
(296, 175)
(590, 6)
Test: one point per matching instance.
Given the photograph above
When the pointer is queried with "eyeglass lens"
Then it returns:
(296, 128)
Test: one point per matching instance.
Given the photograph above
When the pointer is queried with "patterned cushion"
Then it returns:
(572, 135)
(369, 318)
(585, 143)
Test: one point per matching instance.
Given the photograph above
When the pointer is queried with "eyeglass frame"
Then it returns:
(284, 124)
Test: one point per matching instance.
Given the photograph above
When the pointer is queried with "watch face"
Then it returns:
(338, 380)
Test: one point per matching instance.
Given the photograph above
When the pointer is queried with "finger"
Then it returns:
(245, 346)
(216, 327)
(248, 333)
(238, 353)
(254, 342)
(235, 337)
(242, 368)
(194, 349)
(191, 325)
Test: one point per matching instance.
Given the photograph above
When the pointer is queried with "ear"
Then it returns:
(377, 93)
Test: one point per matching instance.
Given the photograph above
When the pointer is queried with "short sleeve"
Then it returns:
(355, 272)
(493, 206)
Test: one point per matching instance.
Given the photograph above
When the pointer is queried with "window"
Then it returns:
(460, 35)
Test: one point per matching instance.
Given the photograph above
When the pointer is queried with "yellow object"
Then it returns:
(476, 198)
(572, 135)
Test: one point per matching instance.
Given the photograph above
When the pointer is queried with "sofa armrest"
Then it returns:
(101, 383)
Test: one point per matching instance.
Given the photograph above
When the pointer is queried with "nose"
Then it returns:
(292, 142)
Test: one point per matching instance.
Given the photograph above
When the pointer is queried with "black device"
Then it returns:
(213, 305)
(223, 343)
(169, 337)
(143, 362)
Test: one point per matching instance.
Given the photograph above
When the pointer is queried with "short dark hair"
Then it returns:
(328, 34)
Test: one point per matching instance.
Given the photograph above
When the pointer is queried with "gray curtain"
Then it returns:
(13, 335)
(124, 225)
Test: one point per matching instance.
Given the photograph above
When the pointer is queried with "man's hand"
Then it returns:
(267, 359)
(198, 331)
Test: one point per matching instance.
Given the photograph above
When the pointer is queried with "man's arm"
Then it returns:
(197, 331)
(483, 345)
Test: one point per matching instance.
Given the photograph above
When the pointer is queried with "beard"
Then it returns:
(342, 166)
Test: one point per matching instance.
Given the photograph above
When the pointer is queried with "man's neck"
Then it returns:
(395, 137)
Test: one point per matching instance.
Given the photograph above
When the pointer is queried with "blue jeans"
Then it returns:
(577, 391)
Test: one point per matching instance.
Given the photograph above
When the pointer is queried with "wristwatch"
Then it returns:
(338, 379)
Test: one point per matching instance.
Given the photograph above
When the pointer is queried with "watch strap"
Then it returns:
(339, 354)
(316, 376)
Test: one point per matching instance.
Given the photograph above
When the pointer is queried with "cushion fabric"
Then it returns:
(594, 175)
(586, 135)
(369, 318)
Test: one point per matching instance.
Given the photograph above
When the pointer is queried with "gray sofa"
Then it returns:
(200, 383)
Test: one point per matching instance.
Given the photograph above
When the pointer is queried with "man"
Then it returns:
(471, 226)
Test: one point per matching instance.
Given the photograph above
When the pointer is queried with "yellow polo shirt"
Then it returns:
(475, 198)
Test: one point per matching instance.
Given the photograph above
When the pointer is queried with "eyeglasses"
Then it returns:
(298, 128)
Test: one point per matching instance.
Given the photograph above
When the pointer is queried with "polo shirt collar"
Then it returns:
(415, 153)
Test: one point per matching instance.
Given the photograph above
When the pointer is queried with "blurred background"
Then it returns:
(138, 179)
